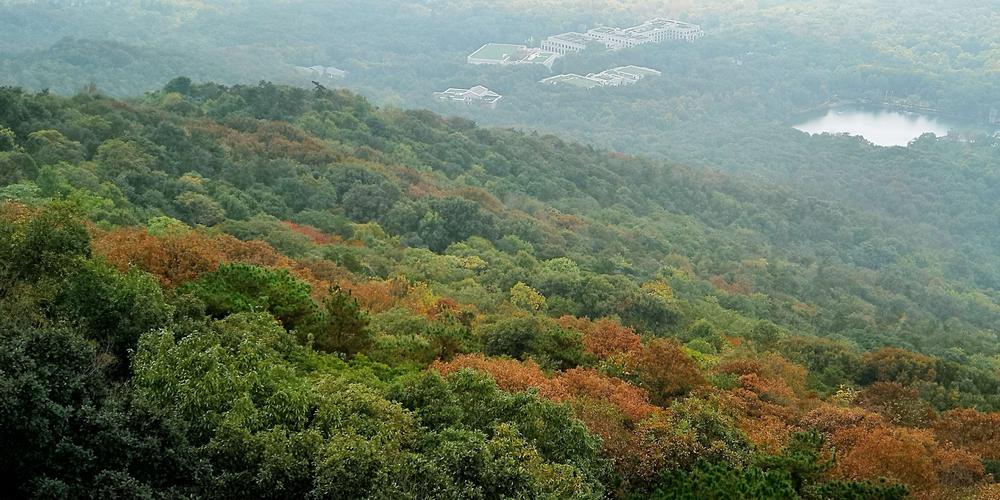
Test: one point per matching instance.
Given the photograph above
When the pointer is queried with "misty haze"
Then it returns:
(520, 249)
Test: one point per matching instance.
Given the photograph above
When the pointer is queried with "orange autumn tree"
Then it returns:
(868, 448)
(317, 236)
(665, 370)
(585, 382)
(604, 338)
(768, 399)
(900, 405)
(975, 431)
(510, 374)
(901, 455)
(377, 296)
(182, 255)
(909, 456)
(173, 259)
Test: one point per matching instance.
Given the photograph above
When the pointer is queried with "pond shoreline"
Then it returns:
(836, 102)
(878, 125)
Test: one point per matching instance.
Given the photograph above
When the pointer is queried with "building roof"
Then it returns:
(605, 30)
(572, 37)
(603, 76)
(614, 74)
(622, 74)
(478, 92)
(638, 70)
(323, 70)
(662, 24)
(497, 51)
(540, 57)
(572, 80)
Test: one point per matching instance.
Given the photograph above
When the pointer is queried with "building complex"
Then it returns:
(614, 77)
(477, 95)
(653, 31)
(504, 53)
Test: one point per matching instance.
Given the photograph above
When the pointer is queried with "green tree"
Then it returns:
(243, 288)
(49, 147)
(16, 166)
(47, 244)
(117, 156)
(8, 140)
(525, 297)
(341, 326)
(649, 313)
(114, 309)
(196, 208)
(524, 337)
(74, 433)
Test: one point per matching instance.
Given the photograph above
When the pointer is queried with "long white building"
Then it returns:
(614, 77)
(652, 31)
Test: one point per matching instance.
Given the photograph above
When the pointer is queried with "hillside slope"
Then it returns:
(267, 291)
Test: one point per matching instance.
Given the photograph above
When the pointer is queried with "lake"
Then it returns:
(879, 126)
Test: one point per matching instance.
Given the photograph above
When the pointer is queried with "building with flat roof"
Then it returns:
(614, 77)
(496, 53)
(660, 29)
(478, 95)
(639, 72)
(615, 38)
(505, 53)
(566, 42)
(572, 80)
(322, 71)
(652, 31)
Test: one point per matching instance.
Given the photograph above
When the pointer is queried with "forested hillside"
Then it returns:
(726, 102)
(265, 291)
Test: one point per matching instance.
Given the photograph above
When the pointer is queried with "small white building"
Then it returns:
(322, 71)
(478, 95)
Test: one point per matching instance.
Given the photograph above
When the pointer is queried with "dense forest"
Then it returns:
(243, 283)
(265, 291)
(725, 102)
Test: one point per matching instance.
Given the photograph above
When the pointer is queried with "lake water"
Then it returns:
(879, 126)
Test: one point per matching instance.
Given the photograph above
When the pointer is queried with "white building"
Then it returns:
(565, 43)
(615, 38)
(322, 71)
(659, 30)
(477, 95)
(614, 77)
(636, 72)
(504, 53)
(652, 31)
